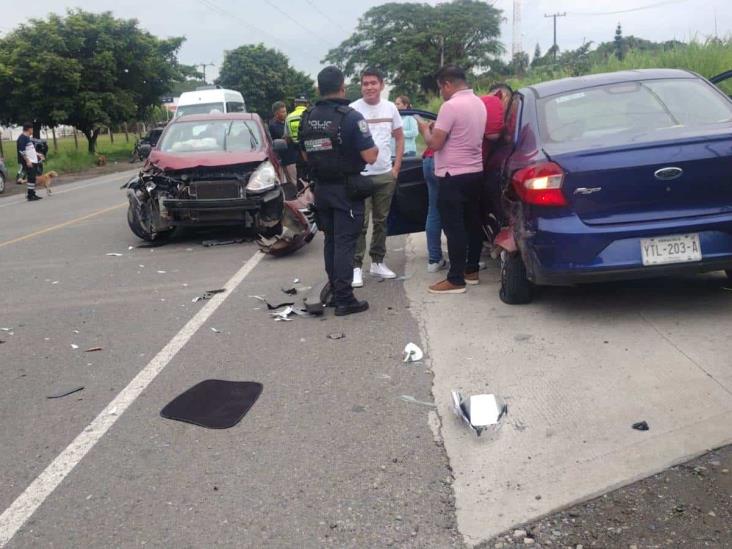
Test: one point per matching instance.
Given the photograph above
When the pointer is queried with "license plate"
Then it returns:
(680, 248)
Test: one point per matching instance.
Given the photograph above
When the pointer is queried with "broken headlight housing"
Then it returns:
(263, 179)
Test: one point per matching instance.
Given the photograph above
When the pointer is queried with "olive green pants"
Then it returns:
(377, 208)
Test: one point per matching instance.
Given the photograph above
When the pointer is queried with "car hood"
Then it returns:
(188, 161)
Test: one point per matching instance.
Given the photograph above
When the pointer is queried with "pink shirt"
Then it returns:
(463, 118)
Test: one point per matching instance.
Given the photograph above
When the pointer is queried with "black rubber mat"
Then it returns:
(214, 403)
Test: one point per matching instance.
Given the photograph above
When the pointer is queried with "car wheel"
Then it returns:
(516, 288)
(139, 231)
(2, 183)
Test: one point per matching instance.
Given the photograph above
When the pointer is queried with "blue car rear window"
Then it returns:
(630, 112)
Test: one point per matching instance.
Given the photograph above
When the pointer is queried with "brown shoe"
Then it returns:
(472, 278)
(446, 287)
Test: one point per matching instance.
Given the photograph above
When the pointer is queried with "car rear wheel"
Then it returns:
(2, 183)
(516, 289)
(139, 230)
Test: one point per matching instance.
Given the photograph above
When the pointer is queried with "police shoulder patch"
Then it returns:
(363, 126)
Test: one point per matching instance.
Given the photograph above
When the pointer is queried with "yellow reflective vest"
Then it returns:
(292, 122)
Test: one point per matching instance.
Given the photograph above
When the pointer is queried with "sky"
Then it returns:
(305, 30)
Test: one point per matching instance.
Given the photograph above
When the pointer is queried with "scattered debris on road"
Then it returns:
(641, 426)
(269, 306)
(410, 398)
(74, 346)
(336, 335)
(162, 272)
(212, 243)
(208, 294)
(66, 392)
(215, 330)
(290, 291)
(214, 403)
(412, 353)
(479, 412)
(93, 349)
(115, 254)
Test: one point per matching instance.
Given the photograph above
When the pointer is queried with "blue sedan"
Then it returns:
(614, 176)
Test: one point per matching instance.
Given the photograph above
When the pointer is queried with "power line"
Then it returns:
(639, 8)
(290, 17)
(321, 12)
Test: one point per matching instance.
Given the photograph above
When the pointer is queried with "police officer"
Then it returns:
(337, 144)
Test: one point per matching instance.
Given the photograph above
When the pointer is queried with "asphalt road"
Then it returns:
(329, 455)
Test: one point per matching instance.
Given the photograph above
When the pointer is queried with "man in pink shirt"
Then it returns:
(457, 139)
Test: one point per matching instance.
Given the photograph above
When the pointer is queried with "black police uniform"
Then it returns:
(332, 134)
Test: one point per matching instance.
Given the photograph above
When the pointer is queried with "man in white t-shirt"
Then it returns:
(385, 123)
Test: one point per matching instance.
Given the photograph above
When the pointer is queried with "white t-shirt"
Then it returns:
(382, 118)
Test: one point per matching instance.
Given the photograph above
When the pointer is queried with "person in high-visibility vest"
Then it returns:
(292, 122)
(292, 128)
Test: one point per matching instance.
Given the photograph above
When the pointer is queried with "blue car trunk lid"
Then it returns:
(685, 177)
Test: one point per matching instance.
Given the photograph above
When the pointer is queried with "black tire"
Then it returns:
(140, 232)
(2, 183)
(516, 289)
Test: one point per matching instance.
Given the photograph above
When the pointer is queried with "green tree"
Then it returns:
(88, 70)
(536, 60)
(520, 63)
(263, 76)
(620, 47)
(409, 42)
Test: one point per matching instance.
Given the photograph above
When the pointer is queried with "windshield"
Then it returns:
(201, 108)
(630, 112)
(212, 135)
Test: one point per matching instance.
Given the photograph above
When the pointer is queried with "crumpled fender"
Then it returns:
(506, 240)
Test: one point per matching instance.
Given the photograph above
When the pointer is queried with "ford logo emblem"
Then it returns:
(668, 174)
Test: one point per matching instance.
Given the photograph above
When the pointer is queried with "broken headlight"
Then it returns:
(263, 179)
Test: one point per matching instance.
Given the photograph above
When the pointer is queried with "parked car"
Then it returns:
(3, 175)
(145, 144)
(208, 170)
(610, 176)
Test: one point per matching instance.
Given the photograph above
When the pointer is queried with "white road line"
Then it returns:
(28, 502)
(76, 186)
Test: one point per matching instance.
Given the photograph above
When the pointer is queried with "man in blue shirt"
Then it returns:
(337, 144)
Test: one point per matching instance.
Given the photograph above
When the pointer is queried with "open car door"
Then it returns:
(409, 206)
(723, 82)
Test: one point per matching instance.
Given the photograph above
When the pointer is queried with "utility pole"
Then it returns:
(516, 46)
(203, 66)
(554, 16)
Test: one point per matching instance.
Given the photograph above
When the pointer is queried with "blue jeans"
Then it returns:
(433, 226)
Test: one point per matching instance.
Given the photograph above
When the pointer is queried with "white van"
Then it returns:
(210, 99)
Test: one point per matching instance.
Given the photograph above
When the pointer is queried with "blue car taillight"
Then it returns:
(540, 184)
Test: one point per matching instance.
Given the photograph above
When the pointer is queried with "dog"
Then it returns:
(46, 180)
(101, 160)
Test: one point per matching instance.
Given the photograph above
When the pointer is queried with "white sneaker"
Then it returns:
(437, 266)
(382, 271)
(357, 278)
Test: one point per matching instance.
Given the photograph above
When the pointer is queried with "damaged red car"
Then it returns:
(209, 170)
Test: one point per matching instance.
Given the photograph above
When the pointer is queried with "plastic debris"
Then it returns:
(74, 346)
(641, 426)
(6, 329)
(336, 335)
(290, 291)
(296, 281)
(55, 282)
(211, 243)
(114, 254)
(130, 247)
(479, 412)
(269, 306)
(93, 349)
(283, 315)
(215, 330)
(208, 294)
(162, 272)
(410, 398)
(66, 392)
(412, 353)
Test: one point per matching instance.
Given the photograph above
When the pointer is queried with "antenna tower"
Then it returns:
(517, 47)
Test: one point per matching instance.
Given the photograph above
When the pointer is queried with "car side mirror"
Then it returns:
(279, 146)
(145, 150)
